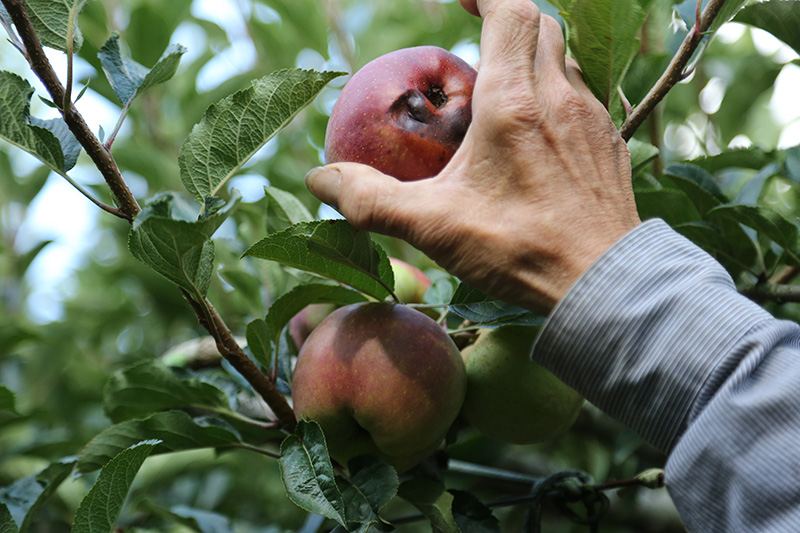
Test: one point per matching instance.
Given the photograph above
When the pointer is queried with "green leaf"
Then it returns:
(671, 205)
(23, 498)
(602, 36)
(642, 154)
(149, 386)
(52, 18)
(234, 129)
(698, 185)
(473, 305)
(308, 475)
(7, 400)
(781, 18)
(471, 515)
(373, 483)
(99, 509)
(129, 78)
(262, 335)
(7, 524)
(284, 209)
(70, 147)
(768, 223)
(330, 248)
(753, 157)
(15, 123)
(166, 239)
(176, 430)
(433, 501)
(202, 520)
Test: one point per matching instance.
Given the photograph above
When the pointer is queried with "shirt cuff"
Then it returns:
(644, 329)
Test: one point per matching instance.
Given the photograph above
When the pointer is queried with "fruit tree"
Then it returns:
(189, 341)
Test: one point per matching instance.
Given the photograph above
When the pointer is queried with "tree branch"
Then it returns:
(674, 72)
(773, 292)
(229, 349)
(34, 53)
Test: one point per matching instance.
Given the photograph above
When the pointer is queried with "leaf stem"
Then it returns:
(118, 125)
(674, 72)
(105, 207)
(34, 53)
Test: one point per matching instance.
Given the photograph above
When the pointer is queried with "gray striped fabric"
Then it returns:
(656, 335)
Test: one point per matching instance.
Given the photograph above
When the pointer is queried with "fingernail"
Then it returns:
(324, 183)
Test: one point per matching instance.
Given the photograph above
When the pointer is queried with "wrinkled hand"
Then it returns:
(539, 188)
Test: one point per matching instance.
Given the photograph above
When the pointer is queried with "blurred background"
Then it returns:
(75, 306)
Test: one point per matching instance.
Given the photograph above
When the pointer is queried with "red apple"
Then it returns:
(410, 283)
(381, 379)
(404, 113)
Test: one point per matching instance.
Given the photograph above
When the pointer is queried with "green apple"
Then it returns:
(410, 283)
(381, 379)
(511, 398)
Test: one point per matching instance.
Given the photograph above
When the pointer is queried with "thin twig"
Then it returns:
(674, 72)
(128, 206)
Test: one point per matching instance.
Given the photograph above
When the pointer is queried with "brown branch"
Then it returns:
(674, 72)
(128, 207)
(229, 349)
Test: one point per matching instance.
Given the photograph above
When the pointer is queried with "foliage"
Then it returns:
(229, 238)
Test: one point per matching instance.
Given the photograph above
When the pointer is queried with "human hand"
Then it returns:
(539, 188)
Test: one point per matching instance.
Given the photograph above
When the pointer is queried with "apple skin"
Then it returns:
(404, 113)
(511, 398)
(381, 379)
(303, 323)
(410, 283)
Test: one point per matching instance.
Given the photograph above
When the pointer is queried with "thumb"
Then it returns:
(367, 198)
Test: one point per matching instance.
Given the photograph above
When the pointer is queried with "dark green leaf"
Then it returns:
(473, 305)
(671, 205)
(791, 164)
(331, 248)
(781, 18)
(51, 19)
(127, 77)
(373, 483)
(308, 475)
(24, 497)
(149, 386)
(752, 191)
(176, 429)
(177, 248)
(698, 185)
(284, 209)
(7, 400)
(433, 501)
(99, 509)
(15, 123)
(753, 157)
(471, 515)
(770, 223)
(236, 127)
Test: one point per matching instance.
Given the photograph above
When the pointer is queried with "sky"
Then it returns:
(52, 215)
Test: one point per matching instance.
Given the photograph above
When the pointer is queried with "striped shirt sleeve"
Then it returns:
(656, 335)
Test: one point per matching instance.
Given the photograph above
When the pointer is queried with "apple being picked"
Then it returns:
(404, 113)
(380, 379)
(511, 398)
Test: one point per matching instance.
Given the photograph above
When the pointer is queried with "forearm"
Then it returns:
(656, 335)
